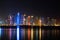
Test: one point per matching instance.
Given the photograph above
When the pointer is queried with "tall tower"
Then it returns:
(32, 20)
(48, 21)
(10, 20)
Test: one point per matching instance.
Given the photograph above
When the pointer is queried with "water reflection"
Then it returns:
(0, 31)
(34, 34)
(50, 34)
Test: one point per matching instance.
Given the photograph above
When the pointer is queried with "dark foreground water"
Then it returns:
(30, 33)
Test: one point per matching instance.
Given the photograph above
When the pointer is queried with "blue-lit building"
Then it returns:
(20, 18)
(1, 22)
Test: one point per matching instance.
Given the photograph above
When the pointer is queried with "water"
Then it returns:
(50, 34)
(35, 33)
(0, 31)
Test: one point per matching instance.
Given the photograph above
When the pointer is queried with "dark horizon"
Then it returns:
(30, 7)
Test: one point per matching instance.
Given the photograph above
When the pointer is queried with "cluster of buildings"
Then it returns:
(30, 20)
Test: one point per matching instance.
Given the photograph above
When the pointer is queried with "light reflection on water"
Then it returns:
(0, 31)
(50, 34)
(36, 34)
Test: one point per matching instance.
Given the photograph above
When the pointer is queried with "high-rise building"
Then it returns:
(42, 21)
(24, 19)
(32, 20)
(48, 21)
(53, 22)
(36, 21)
(10, 20)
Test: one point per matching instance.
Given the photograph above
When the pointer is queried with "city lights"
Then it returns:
(36, 33)
(40, 22)
(18, 33)
(18, 27)
(32, 34)
(10, 24)
(40, 33)
(0, 31)
(29, 20)
(10, 30)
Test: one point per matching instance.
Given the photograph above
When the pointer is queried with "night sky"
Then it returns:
(30, 7)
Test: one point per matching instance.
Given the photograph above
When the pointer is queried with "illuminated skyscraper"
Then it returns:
(17, 22)
(10, 20)
(48, 21)
(42, 21)
(36, 21)
(32, 20)
(53, 22)
(24, 19)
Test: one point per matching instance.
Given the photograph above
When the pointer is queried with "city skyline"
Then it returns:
(29, 20)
